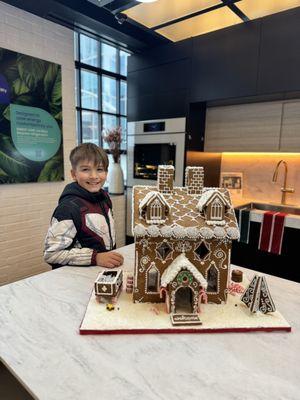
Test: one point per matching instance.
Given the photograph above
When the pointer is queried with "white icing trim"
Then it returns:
(219, 232)
(181, 262)
(215, 222)
(179, 232)
(233, 233)
(194, 168)
(166, 167)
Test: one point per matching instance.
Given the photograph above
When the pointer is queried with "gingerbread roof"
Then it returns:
(184, 220)
(181, 262)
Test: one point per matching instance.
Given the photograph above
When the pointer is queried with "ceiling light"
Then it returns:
(146, 1)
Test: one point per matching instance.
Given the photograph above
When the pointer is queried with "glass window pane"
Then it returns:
(124, 133)
(109, 94)
(90, 127)
(89, 90)
(77, 87)
(89, 51)
(123, 62)
(108, 122)
(76, 46)
(123, 97)
(108, 57)
(78, 127)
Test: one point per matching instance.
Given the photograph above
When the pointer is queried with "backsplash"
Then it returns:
(258, 169)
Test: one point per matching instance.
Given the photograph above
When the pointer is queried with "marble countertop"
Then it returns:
(40, 344)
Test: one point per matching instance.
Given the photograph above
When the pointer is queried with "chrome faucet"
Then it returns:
(284, 189)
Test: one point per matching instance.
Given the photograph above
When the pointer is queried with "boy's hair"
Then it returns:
(89, 152)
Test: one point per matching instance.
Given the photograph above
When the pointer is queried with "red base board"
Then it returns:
(176, 330)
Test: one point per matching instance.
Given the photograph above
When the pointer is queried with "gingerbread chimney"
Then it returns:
(165, 178)
(194, 178)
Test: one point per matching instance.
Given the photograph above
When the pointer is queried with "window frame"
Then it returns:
(81, 66)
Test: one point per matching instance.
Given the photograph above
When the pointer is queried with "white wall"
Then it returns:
(258, 170)
(25, 209)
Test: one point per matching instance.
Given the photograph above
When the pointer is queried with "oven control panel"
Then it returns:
(170, 125)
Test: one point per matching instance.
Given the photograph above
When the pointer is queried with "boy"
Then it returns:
(82, 227)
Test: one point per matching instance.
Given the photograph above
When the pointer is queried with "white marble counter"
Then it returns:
(40, 344)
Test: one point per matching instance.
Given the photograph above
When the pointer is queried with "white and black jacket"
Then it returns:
(82, 225)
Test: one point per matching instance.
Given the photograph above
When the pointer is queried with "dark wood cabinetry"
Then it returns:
(225, 63)
(253, 60)
(279, 60)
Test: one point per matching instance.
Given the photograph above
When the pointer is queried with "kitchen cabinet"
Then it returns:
(254, 127)
(290, 129)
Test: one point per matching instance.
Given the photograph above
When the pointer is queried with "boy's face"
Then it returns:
(89, 176)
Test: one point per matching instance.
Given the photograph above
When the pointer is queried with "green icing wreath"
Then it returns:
(184, 276)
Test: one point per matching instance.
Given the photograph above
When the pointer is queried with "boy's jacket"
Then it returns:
(82, 225)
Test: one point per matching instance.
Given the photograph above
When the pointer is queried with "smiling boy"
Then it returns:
(82, 227)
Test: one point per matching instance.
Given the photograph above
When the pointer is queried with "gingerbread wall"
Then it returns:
(146, 253)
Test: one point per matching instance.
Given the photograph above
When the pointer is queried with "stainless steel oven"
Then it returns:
(153, 143)
(149, 144)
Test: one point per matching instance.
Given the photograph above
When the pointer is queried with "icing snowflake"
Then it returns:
(183, 247)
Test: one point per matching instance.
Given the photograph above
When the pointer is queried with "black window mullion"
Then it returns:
(100, 72)
(79, 92)
(100, 92)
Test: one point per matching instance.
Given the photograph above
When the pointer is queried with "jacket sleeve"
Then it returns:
(111, 220)
(60, 244)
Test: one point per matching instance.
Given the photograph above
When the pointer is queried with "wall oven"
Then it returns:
(152, 143)
(149, 144)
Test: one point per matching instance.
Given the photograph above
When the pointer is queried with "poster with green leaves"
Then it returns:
(31, 145)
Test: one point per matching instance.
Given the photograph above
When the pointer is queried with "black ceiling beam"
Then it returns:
(116, 6)
(108, 20)
(91, 19)
(237, 11)
(196, 13)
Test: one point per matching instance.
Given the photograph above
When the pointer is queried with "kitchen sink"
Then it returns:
(271, 207)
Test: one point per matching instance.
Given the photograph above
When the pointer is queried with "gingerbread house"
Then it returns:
(183, 238)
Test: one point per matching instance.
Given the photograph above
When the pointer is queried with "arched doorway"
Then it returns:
(184, 300)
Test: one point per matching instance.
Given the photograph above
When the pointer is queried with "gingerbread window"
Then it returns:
(164, 249)
(212, 279)
(217, 210)
(153, 208)
(152, 279)
(201, 251)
